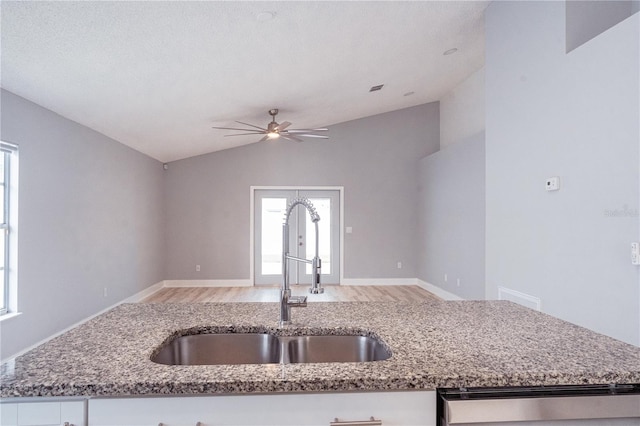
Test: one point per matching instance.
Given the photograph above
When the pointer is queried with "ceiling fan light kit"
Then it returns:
(275, 130)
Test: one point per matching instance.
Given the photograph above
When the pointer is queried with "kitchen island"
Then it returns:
(434, 344)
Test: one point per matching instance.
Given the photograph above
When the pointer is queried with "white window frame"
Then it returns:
(10, 228)
(252, 191)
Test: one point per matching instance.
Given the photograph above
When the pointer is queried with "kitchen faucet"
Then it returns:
(287, 301)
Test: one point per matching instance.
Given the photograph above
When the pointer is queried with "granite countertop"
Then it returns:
(434, 344)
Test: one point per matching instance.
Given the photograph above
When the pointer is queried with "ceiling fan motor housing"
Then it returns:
(273, 127)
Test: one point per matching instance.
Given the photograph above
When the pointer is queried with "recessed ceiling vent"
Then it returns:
(376, 88)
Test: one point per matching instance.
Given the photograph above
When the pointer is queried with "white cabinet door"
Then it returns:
(393, 408)
(48, 413)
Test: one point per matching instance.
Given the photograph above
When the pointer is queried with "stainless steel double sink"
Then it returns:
(263, 348)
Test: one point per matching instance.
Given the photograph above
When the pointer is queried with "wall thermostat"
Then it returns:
(552, 184)
(635, 253)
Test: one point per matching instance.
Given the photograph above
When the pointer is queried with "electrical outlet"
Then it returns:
(446, 278)
(197, 268)
(399, 265)
(552, 184)
(104, 292)
(458, 282)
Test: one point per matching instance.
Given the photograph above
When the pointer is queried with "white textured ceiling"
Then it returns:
(157, 75)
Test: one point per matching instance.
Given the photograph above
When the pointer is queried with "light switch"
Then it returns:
(349, 230)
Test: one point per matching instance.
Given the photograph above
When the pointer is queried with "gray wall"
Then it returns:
(462, 111)
(90, 216)
(451, 233)
(374, 158)
(587, 19)
(575, 115)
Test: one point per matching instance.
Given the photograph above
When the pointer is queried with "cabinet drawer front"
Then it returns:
(39, 413)
(44, 413)
(8, 414)
(393, 408)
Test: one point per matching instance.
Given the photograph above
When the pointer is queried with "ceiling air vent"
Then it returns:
(376, 88)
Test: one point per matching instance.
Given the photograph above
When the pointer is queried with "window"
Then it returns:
(8, 219)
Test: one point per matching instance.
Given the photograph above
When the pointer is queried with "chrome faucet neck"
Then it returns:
(315, 217)
(286, 300)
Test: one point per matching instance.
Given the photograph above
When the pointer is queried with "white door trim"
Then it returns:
(253, 189)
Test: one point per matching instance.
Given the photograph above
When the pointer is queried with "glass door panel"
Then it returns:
(327, 204)
(270, 207)
(273, 210)
(323, 207)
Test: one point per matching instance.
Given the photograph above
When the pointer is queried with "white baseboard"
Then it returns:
(140, 296)
(379, 281)
(208, 283)
(132, 299)
(519, 297)
(443, 294)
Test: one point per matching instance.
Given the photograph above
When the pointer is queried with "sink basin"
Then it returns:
(208, 349)
(335, 349)
(262, 348)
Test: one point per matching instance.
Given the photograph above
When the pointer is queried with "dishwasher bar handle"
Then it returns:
(557, 408)
(370, 422)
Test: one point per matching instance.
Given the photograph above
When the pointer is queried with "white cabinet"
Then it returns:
(393, 408)
(47, 413)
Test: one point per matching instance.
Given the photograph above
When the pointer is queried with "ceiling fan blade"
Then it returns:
(235, 128)
(312, 136)
(291, 138)
(264, 139)
(251, 125)
(307, 130)
(244, 134)
(283, 126)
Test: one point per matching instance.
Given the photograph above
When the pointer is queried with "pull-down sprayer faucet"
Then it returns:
(286, 300)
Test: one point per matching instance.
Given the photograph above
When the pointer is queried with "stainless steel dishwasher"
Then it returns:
(587, 405)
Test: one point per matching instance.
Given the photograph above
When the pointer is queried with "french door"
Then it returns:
(270, 208)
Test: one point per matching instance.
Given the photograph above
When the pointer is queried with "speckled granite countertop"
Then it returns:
(434, 344)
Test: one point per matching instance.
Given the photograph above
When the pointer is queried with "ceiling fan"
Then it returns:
(275, 130)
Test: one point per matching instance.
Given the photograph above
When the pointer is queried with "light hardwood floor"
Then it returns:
(332, 293)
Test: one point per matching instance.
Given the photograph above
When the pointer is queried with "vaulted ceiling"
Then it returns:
(156, 76)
